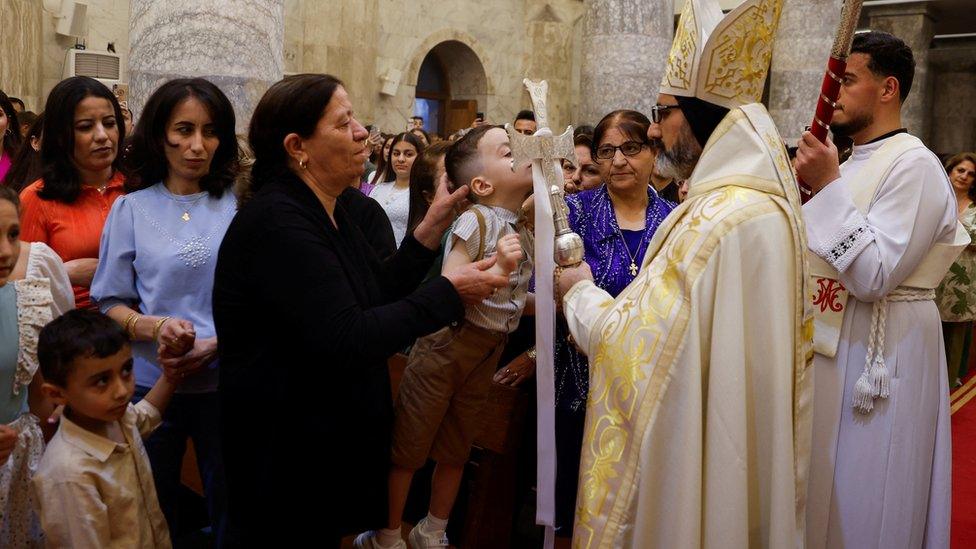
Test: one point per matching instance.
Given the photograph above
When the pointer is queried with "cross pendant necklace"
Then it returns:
(633, 261)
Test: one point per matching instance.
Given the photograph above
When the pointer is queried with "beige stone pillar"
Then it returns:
(20, 50)
(913, 22)
(236, 44)
(954, 120)
(625, 50)
(341, 38)
(803, 41)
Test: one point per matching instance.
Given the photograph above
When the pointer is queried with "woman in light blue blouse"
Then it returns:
(156, 269)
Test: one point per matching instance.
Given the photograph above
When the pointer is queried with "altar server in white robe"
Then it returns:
(882, 232)
(697, 423)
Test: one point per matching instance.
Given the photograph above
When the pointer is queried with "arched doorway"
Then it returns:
(451, 88)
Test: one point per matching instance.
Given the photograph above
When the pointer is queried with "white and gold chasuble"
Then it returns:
(698, 420)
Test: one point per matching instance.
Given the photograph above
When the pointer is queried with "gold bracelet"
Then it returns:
(531, 353)
(158, 326)
(129, 325)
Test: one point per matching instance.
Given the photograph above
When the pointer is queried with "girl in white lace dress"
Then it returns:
(26, 305)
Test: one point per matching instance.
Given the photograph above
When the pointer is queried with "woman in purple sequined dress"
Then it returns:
(616, 221)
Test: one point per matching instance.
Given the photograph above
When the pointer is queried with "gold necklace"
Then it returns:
(187, 207)
(186, 211)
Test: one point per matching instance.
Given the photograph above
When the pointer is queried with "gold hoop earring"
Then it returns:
(303, 164)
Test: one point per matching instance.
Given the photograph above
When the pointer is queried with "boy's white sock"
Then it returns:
(388, 536)
(434, 524)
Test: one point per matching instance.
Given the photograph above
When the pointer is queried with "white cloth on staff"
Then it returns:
(881, 479)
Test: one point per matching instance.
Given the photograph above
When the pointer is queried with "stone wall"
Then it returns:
(20, 52)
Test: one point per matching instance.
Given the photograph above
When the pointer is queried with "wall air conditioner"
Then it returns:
(104, 66)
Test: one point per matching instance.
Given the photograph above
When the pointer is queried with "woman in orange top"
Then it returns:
(67, 207)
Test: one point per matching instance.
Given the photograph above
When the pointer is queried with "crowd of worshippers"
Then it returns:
(314, 248)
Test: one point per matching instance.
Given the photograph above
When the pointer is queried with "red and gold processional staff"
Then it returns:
(833, 78)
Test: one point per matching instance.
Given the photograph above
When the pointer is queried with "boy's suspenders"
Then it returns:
(481, 232)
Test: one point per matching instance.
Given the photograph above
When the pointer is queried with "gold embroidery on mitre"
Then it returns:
(737, 56)
(681, 59)
(724, 61)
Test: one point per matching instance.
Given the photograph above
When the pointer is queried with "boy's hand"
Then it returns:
(8, 441)
(509, 252)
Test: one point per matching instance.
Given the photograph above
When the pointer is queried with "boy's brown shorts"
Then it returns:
(442, 393)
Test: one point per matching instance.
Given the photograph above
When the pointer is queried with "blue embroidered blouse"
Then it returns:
(591, 215)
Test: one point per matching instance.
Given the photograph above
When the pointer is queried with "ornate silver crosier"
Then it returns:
(548, 150)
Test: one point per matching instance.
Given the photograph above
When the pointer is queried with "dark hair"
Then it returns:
(422, 175)
(415, 117)
(145, 157)
(388, 173)
(10, 195)
(525, 115)
(583, 140)
(19, 101)
(421, 130)
(889, 56)
(585, 129)
(26, 118)
(630, 123)
(380, 161)
(461, 157)
(61, 180)
(957, 159)
(76, 333)
(294, 104)
(11, 139)
(26, 167)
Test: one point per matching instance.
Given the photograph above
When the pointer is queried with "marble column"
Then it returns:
(236, 44)
(803, 41)
(625, 50)
(914, 23)
(20, 51)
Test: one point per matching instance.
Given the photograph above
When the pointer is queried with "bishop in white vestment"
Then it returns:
(697, 427)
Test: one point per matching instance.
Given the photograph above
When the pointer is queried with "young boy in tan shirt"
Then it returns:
(94, 486)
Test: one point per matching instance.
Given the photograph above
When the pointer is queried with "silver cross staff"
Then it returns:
(548, 150)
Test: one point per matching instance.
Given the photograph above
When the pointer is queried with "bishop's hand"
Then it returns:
(567, 277)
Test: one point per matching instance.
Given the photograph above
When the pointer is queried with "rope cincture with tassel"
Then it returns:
(875, 380)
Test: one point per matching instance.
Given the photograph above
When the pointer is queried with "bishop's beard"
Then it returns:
(678, 162)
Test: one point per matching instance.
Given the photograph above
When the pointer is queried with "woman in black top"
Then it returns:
(307, 314)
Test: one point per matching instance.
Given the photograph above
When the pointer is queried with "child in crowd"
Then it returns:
(449, 372)
(94, 486)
